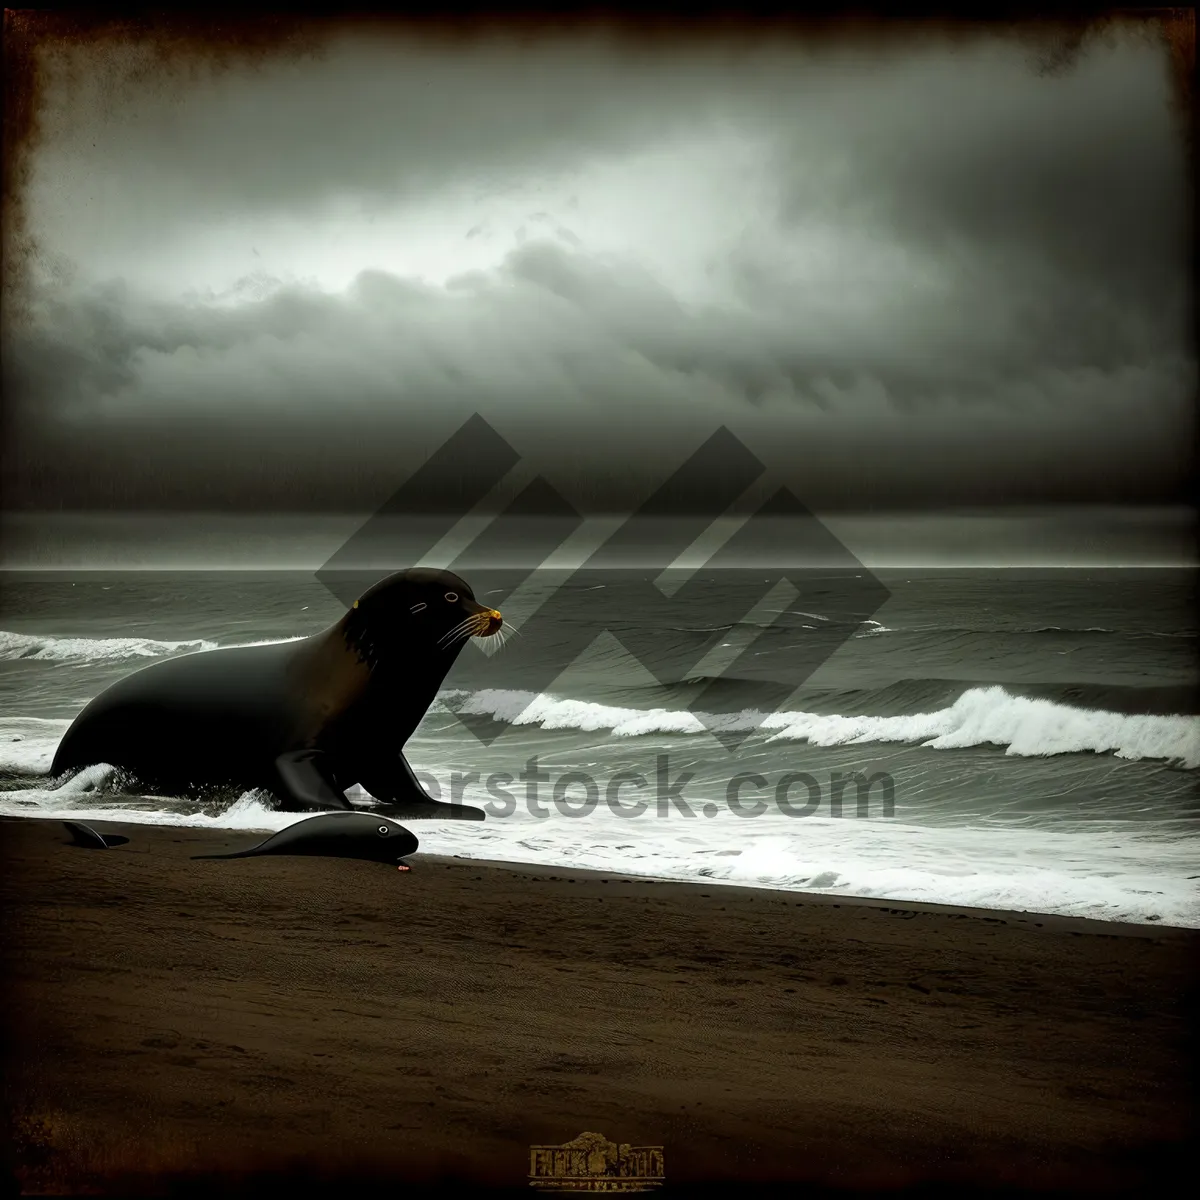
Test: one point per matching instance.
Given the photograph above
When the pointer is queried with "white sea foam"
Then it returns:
(27, 744)
(1023, 726)
(981, 716)
(83, 799)
(1106, 876)
(1130, 877)
(46, 647)
(68, 649)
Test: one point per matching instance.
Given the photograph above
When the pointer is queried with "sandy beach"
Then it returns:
(175, 1024)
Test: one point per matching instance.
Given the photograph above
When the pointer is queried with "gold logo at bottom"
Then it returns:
(591, 1163)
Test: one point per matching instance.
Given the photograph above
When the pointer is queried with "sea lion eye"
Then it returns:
(383, 830)
(452, 596)
(416, 608)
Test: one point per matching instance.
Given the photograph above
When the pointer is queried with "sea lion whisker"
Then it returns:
(503, 636)
(459, 634)
(449, 634)
(480, 625)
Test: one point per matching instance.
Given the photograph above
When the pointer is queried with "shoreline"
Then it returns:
(1096, 926)
(1034, 917)
(234, 1020)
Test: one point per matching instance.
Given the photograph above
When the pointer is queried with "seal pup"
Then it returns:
(85, 835)
(303, 720)
(337, 835)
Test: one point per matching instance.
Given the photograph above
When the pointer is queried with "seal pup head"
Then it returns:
(422, 612)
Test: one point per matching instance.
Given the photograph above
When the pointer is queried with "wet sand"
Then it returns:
(175, 1024)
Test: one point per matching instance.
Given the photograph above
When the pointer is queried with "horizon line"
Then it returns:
(866, 567)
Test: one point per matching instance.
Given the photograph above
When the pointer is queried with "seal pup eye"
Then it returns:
(384, 831)
(452, 596)
(416, 608)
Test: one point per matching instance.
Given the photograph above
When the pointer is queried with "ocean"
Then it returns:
(1015, 739)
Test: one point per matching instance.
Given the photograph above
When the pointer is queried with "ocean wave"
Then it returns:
(953, 631)
(27, 744)
(67, 649)
(926, 694)
(46, 647)
(1024, 726)
(97, 794)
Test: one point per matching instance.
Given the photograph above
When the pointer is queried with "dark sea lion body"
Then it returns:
(363, 836)
(304, 720)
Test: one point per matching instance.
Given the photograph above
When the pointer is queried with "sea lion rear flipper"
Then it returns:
(430, 810)
(400, 794)
(305, 783)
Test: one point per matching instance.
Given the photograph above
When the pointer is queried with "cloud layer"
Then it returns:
(926, 279)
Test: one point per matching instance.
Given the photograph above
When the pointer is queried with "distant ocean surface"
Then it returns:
(1038, 730)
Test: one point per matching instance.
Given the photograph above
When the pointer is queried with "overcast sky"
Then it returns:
(922, 279)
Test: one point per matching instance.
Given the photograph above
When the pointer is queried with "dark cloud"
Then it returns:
(311, 400)
(369, 119)
(962, 282)
(1082, 171)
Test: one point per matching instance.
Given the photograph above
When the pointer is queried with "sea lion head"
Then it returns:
(421, 611)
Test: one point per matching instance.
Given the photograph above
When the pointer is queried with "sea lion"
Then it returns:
(337, 835)
(303, 720)
(86, 836)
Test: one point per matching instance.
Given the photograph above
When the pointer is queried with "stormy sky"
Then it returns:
(926, 279)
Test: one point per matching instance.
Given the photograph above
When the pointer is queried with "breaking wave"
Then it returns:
(982, 716)
(45, 647)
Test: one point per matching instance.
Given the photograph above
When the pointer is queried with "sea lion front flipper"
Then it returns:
(305, 783)
(400, 793)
